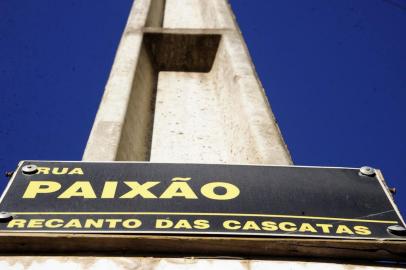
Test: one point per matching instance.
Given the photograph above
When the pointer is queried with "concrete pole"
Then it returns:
(152, 113)
(182, 89)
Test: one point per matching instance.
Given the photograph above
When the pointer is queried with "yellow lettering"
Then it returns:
(362, 230)
(36, 223)
(181, 179)
(54, 223)
(343, 229)
(19, 223)
(109, 190)
(251, 225)
(73, 223)
(56, 170)
(231, 191)
(36, 187)
(269, 226)
(76, 171)
(79, 189)
(43, 170)
(163, 224)
(131, 223)
(92, 223)
(113, 222)
(287, 226)
(325, 227)
(201, 224)
(137, 189)
(179, 189)
(306, 227)
(231, 225)
(183, 224)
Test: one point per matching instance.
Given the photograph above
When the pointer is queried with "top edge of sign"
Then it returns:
(193, 163)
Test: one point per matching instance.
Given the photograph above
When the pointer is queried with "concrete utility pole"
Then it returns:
(182, 89)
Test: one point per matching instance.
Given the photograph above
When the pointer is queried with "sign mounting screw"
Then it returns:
(9, 174)
(397, 230)
(367, 171)
(5, 217)
(30, 169)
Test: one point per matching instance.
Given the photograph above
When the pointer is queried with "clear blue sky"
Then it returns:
(334, 71)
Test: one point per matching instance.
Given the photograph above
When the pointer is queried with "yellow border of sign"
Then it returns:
(206, 214)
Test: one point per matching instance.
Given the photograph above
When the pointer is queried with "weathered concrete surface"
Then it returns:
(104, 139)
(201, 14)
(216, 117)
(137, 126)
(227, 119)
(187, 119)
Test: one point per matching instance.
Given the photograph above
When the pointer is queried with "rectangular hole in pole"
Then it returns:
(159, 52)
(182, 52)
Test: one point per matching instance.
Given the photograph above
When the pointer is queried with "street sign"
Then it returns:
(203, 199)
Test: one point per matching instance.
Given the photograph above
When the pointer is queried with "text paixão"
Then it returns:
(177, 187)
